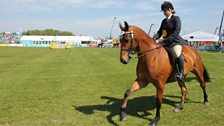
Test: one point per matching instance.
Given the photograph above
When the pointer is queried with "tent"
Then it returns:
(201, 36)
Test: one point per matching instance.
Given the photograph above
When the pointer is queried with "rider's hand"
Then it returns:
(155, 37)
(159, 40)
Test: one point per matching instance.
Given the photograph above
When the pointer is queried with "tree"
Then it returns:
(48, 32)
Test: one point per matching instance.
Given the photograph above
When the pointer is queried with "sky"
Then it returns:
(95, 17)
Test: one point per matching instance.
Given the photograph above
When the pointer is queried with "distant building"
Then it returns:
(45, 41)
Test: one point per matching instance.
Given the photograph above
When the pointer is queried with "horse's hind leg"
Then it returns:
(184, 93)
(199, 72)
(135, 87)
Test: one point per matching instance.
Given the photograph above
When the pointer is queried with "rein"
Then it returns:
(146, 52)
(131, 51)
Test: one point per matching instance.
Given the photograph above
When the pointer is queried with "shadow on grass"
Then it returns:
(138, 107)
(189, 79)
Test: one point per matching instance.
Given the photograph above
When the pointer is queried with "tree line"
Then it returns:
(48, 32)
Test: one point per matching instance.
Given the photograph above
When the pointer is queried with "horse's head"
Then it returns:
(128, 42)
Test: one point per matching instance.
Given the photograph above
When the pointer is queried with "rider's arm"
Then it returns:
(159, 33)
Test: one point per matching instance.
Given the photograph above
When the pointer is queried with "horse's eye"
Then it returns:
(122, 40)
(126, 41)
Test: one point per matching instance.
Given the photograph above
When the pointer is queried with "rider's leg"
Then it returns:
(180, 62)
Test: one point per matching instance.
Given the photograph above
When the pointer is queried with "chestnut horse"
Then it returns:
(154, 67)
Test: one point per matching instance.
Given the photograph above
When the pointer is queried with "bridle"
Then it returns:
(131, 50)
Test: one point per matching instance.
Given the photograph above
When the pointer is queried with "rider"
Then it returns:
(170, 30)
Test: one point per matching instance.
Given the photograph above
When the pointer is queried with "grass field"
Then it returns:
(84, 87)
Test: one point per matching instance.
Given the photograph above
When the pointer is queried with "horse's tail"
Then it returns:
(206, 75)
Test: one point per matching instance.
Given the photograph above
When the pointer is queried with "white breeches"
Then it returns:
(177, 49)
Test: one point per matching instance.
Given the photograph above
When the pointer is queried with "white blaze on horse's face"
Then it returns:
(126, 43)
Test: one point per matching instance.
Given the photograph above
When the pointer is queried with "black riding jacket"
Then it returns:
(170, 30)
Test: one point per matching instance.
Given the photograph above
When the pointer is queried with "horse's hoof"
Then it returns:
(177, 109)
(123, 116)
(154, 122)
(206, 103)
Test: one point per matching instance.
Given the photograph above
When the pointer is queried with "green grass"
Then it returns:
(85, 86)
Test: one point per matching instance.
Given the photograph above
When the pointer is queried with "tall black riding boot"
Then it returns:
(180, 65)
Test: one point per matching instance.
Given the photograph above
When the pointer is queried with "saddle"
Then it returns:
(172, 57)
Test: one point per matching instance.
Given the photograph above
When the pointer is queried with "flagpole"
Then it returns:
(220, 28)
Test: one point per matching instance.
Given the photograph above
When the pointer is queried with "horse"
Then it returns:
(154, 66)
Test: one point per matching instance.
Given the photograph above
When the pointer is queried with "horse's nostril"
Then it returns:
(124, 61)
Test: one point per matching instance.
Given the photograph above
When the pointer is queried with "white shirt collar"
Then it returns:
(169, 17)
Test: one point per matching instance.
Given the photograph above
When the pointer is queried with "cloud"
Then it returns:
(50, 5)
(95, 17)
(109, 4)
(146, 6)
(98, 27)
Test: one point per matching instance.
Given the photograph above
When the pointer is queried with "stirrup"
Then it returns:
(179, 76)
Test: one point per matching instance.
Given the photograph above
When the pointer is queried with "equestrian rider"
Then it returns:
(170, 30)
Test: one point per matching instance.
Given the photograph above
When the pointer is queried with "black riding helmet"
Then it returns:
(166, 5)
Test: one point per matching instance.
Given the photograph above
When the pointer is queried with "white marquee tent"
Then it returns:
(201, 36)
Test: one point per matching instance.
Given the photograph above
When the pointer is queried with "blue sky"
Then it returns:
(95, 17)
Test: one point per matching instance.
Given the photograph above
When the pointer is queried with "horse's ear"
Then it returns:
(126, 26)
(121, 27)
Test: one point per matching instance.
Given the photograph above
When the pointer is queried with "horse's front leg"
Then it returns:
(159, 98)
(135, 87)
(184, 93)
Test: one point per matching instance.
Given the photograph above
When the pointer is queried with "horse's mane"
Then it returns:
(146, 36)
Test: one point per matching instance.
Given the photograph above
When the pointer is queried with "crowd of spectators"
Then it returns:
(10, 37)
(207, 45)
